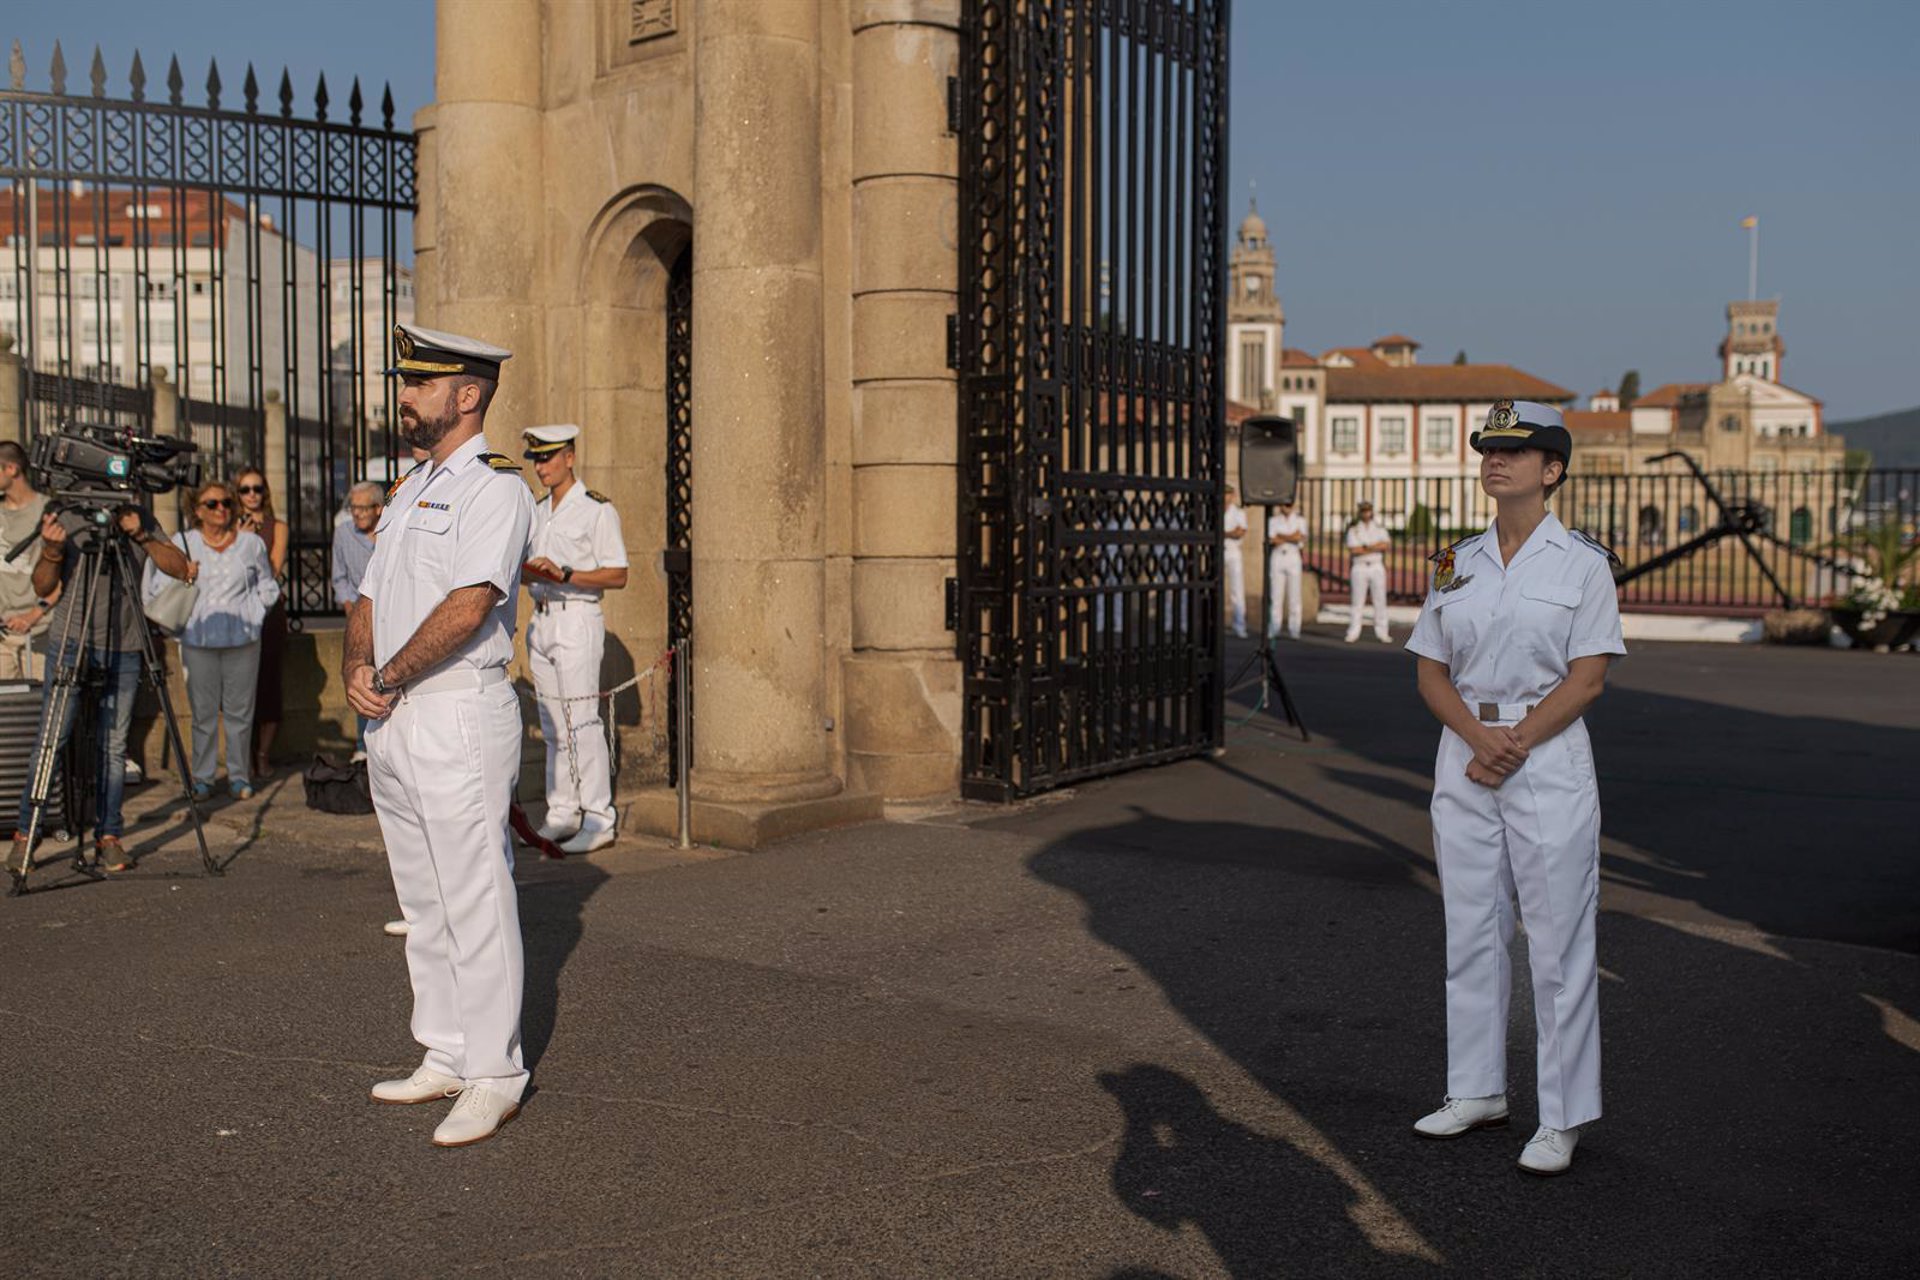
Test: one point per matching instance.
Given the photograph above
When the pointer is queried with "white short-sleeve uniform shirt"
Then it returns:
(1286, 522)
(581, 532)
(1508, 631)
(459, 523)
(1367, 533)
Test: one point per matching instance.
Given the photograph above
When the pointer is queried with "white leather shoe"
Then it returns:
(1550, 1153)
(422, 1086)
(1463, 1115)
(587, 839)
(394, 928)
(476, 1116)
(556, 831)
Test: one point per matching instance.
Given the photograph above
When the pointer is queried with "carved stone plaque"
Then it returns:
(651, 20)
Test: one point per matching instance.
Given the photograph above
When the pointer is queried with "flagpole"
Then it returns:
(1753, 260)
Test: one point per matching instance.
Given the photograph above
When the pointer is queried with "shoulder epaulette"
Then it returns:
(499, 461)
(395, 486)
(1596, 544)
(1449, 548)
(597, 496)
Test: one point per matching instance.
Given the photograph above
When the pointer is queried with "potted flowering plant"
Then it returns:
(1882, 609)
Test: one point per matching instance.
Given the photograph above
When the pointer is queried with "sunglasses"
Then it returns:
(363, 506)
(214, 504)
(252, 488)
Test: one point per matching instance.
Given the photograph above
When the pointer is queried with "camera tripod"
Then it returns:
(105, 569)
(1269, 678)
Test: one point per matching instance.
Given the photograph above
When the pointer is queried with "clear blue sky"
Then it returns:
(1549, 184)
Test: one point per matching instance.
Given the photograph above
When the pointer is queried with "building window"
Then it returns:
(1393, 436)
(1800, 527)
(1346, 435)
(1438, 436)
(1730, 423)
(1689, 520)
(1253, 361)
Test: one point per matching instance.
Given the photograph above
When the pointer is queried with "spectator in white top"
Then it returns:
(220, 643)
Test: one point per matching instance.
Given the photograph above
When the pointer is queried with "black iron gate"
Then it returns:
(255, 259)
(1092, 235)
(679, 543)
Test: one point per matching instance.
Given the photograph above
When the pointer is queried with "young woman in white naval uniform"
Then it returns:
(1514, 642)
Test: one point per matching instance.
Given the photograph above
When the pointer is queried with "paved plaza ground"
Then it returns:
(1175, 1024)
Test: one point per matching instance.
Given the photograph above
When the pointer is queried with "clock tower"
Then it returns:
(1255, 320)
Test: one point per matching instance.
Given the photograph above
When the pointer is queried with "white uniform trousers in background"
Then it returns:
(443, 766)
(565, 643)
(1233, 568)
(1537, 833)
(1283, 590)
(1369, 586)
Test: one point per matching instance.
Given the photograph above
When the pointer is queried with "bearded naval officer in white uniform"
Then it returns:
(1514, 641)
(427, 649)
(578, 553)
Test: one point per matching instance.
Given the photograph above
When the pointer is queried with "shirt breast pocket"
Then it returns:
(430, 538)
(1546, 616)
(1460, 619)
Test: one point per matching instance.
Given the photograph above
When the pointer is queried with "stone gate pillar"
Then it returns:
(483, 219)
(762, 729)
(903, 682)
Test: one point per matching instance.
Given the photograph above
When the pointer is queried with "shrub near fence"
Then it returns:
(1800, 517)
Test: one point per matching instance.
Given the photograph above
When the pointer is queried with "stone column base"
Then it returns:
(739, 825)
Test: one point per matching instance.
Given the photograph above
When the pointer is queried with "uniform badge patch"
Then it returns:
(436, 506)
(1457, 583)
(1443, 572)
(1503, 416)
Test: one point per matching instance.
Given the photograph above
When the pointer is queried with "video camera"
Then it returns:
(99, 465)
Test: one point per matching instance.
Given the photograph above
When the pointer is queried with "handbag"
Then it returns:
(172, 605)
(334, 788)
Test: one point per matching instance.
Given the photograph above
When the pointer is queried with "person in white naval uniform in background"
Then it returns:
(1368, 542)
(1286, 533)
(1233, 565)
(577, 554)
(427, 648)
(1513, 646)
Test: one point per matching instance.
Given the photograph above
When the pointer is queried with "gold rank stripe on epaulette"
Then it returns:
(499, 462)
(597, 496)
(1596, 544)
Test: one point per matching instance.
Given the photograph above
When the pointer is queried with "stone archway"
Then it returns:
(619, 397)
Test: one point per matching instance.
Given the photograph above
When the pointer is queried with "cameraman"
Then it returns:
(113, 644)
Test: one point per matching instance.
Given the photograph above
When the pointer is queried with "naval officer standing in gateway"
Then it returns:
(577, 554)
(427, 649)
(1514, 642)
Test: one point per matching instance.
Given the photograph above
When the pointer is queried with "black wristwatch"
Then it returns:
(566, 573)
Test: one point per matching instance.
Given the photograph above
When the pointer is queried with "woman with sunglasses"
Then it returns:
(255, 515)
(220, 643)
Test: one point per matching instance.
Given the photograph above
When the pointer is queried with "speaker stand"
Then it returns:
(1266, 672)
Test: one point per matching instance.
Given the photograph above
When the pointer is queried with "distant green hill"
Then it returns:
(1892, 438)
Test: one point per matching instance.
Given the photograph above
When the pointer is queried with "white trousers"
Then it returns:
(1369, 584)
(564, 648)
(1283, 592)
(1233, 567)
(443, 767)
(1536, 835)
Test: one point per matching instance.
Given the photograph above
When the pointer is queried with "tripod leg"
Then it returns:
(150, 661)
(1286, 698)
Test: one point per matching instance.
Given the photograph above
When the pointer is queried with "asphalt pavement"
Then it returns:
(1172, 1024)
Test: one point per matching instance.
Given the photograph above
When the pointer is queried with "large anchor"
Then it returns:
(1740, 519)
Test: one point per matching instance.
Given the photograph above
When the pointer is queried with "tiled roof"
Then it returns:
(1454, 383)
(1362, 357)
(1295, 358)
(1238, 413)
(1395, 340)
(1669, 395)
(1579, 420)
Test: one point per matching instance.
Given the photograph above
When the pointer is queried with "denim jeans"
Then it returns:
(116, 714)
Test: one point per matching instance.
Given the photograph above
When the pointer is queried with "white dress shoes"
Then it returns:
(1463, 1115)
(476, 1116)
(1550, 1153)
(587, 839)
(556, 831)
(394, 928)
(422, 1086)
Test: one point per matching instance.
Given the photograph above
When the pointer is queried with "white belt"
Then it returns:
(565, 602)
(1501, 712)
(456, 680)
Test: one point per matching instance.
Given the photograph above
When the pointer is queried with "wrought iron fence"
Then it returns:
(1088, 346)
(251, 254)
(1759, 539)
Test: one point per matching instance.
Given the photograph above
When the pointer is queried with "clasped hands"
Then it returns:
(362, 697)
(1498, 751)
